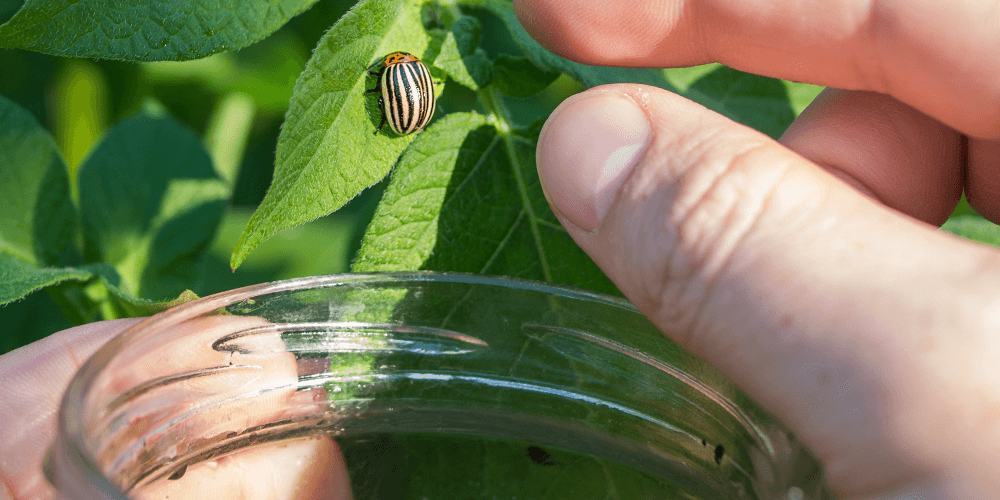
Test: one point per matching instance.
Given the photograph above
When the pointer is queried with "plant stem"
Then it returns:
(499, 117)
(497, 114)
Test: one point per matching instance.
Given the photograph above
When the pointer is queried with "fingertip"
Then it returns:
(587, 149)
(537, 20)
(599, 33)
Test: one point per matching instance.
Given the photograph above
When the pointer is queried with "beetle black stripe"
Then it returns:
(403, 110)
(421, 92)
(426, 98)
(406, 90)
(409, 88)
(396, 116)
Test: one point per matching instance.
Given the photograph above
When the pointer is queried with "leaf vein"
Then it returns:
(473, 170)
(500, 245)
(522, 190)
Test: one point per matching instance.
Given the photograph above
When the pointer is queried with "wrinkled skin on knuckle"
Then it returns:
(665, 288)
(715, 204)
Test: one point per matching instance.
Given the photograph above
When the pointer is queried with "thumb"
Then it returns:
(867, 332)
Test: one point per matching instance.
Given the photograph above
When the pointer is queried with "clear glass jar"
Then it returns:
(428, 382)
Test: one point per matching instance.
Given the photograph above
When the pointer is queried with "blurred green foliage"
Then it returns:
(77, 100)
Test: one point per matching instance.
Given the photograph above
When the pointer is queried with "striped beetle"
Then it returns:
(406, 93)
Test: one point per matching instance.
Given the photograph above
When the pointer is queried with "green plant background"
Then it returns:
(78, 100)
(235, 102)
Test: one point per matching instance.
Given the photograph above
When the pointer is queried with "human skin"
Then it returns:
(809, 270)
(36, 376)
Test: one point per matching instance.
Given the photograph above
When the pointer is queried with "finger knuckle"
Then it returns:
(703, 226)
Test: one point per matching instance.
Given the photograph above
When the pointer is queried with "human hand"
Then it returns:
(35, 377)
(807, 270)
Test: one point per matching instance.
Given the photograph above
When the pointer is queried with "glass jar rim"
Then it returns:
(68, 458)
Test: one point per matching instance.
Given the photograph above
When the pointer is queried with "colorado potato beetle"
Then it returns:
(406, 92)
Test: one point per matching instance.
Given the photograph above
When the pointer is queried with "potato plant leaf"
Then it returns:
(166, 30)
(150, 203)
(38, 221)
(763, 103)
(465, 34)
(19, 278)
(120, 304)
(37, 218)
(460, 56)
(519, 77)
(491, 468)
(975, 228)
(328, 150)
(465, 197)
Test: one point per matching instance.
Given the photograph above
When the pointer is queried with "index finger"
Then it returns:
(939, 57)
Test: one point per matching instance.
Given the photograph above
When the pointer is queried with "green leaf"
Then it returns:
(801, 95)
(167, 30)
(151, 201)
(30, 319)
(19, 278)
(465, 34)
(975, 228)
(328, 150)
(227, 134)
(8, 8)
(120, 304)
(479, 467)
(460, 56)
(964, 208)
(519, 77)
(495, 468)
(756, 101)
(465, 197)
(37, 218)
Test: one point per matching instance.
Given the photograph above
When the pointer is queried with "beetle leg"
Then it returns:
(378, 86)
(381, 109)
(378, 81)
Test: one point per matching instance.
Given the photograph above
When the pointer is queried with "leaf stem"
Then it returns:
(497, 114)
(499, 117)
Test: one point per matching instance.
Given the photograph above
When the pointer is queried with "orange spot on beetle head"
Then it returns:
(399, 57)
